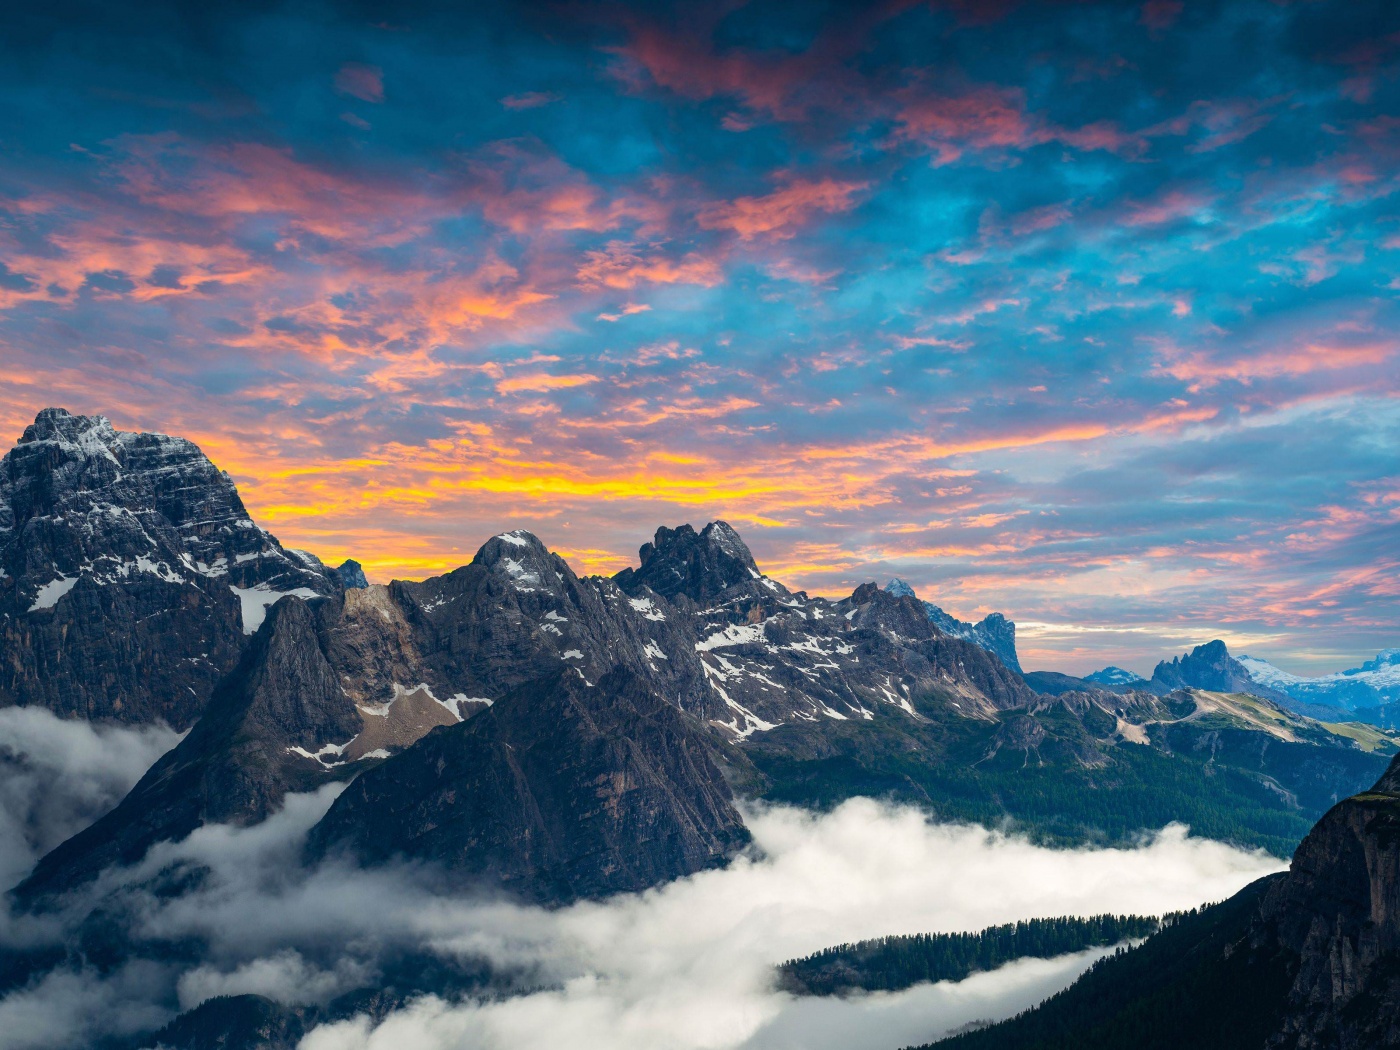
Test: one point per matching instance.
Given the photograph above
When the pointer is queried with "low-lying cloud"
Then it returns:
(687, 965)
(58, 775)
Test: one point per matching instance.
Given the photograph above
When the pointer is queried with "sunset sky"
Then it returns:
(1083, 312)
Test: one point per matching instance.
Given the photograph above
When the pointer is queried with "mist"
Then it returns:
(59, 775)
(686, 965)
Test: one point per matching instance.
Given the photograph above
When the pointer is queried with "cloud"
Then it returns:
(689, 965)
(686, 965)
(59, 775)
(530, 99)
(779, 214)
(360, 81)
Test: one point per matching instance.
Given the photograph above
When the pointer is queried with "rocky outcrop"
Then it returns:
(561, 790)
(994, 632)
(352, 574)
(131, 575)
(1338, 911)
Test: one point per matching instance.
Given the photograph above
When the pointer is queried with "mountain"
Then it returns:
(1115, 676)
(1372, 685)
(1305, 959)
(994, 633)
(813, 701)
(352, 574)
(130, 573)
(561, 790)
(1210, 667)
(1053, 683)
(258, 740)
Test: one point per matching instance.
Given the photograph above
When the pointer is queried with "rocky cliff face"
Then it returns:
(130, 573)
(1338, 911)
(562, 789)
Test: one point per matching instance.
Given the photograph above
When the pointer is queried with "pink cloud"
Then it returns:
(1202, 370)
(622, 265)
(1169, 207)
(360, 81)
(780, 213)
(530, 99)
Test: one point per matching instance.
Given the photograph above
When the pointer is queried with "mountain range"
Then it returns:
(526, 732)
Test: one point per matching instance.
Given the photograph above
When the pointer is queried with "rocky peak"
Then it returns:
(701, 565)
(352, 575)
(994, 633)
(524, 561)
(121, 551)
(1209, 667)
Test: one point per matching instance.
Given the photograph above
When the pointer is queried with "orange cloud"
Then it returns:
(780, 213)
(539, 382)
(1202, 370)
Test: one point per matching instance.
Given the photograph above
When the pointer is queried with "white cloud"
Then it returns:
(687, 966)
(58, 775)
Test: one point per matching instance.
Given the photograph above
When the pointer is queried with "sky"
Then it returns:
(1084, 312)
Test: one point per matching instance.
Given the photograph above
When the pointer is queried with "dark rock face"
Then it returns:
(281, 706)
(699, 565)
(561, 790)
(234, 1022)
(994, 632)
(130, 573)
(1211, 667)
(1338, 910)
(352, 574)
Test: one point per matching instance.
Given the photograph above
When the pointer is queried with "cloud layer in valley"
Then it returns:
(688, 964)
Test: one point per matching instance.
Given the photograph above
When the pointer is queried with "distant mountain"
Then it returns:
(1211, 667)
(994, 632)
(1302, 959)
(131, 575)
(1373, 684)
(1115, 676)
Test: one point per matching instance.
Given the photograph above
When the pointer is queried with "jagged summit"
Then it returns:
(994, 632)
(130, 572)
(701, 565)
(1210, 667)
(352, 575)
